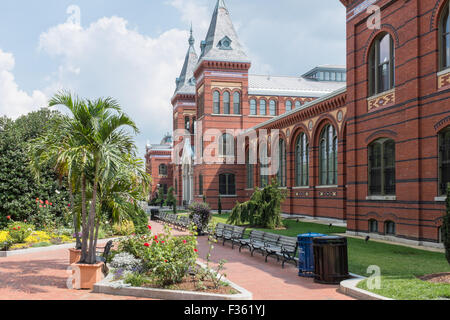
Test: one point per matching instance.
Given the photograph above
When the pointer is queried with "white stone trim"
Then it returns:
(381, 198)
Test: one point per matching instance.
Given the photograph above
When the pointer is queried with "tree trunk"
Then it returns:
(97, 227)
(91, 222)
(75, 217)
(85, 232)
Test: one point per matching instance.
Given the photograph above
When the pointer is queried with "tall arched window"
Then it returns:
(444, 160)
(216, 102)
(389, 228)
(227, 185)
(263, 165)
(382, 167)
(237, 103)
(163, 170)
(302, 161)
(382, 65)
(249, 169)
(226, 145)
(226, 102)
(262, 107)
(288, 106)
(281, 175)
(373, 226)
(328, 156)
(253, 110)
(273, 107)
(444, 38)
(298, 104)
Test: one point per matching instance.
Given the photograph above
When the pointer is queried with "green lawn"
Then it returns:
(399, 265)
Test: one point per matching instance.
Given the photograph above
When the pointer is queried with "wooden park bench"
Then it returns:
(234, 235)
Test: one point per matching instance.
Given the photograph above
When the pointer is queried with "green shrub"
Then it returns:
(200, 215)
(140, 220)
(124, 228)
(19, 231)
(135, 279)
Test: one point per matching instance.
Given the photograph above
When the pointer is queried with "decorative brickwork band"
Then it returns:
(381, 101)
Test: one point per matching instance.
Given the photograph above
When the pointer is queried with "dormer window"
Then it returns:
(225, 44)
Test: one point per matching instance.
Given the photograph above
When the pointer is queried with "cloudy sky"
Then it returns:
(133, 50)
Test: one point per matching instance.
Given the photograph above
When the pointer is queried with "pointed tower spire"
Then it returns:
(186, 81)
(222, 42)
(191, 38)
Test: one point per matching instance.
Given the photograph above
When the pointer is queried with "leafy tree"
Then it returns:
(160, 199)
(263, 209)
(19, 188)
(171, 201)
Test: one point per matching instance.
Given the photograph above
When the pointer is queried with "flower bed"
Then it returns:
(165, 262)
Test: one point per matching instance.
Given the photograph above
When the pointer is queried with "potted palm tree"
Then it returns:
(97, 149)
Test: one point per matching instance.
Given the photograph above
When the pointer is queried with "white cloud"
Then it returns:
(107, 58)
(13, 101)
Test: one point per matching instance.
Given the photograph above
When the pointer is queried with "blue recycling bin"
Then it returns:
(306, 254)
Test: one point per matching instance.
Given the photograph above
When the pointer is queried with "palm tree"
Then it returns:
(94, 148)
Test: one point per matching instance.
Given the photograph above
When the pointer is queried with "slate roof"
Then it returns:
(186, 80)
(290, 86)
(221, 27)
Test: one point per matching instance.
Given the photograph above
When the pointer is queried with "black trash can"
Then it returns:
(330, 259)
(154, 213)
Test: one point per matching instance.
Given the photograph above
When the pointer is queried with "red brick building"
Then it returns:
(374, 152)
(158, 159)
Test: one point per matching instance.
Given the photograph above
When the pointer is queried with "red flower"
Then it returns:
(45, 206)
(8, 217)
(14, 228)
(156, 237)
(51, 203)
(40, 206)
(37, 200)
(162, 242)
(25, 220)
(195, 250)
(146, 244)
(184, 241)
(165, 261)
(149, 227)
(42, 202)
(68, 205)
(18, 228)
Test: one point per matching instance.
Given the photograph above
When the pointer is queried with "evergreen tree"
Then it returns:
(171, 201)
(219, 205)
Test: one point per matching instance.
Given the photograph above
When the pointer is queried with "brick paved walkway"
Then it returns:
(43, 276)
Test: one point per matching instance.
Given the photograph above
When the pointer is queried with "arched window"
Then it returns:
(389, 228)
(262, 107)
(328, 156)
(263, 165)
(249, 169)
(444, 39)
(226, 102)
(226, 145)
(288, 106)
(253, 110)
(187, 123)
(444, 160)
(200, 184)
(163, 170)
(381, 65)
(373, 226)
(227, 185)
(216, 102)
(281, 175)
(382, 167)
(237, 103)
(298, 104)
(273, 107)
(302, 161)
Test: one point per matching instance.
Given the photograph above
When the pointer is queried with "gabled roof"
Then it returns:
(222, 42)
(186, 81)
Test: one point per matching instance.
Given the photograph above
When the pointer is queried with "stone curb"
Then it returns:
(349, 288)
(106, 286)
(5, 254)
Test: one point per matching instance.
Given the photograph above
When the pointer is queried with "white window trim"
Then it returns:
(327, 187)
(445, 71)
(381, 94)
(381, 198)
(440, 199)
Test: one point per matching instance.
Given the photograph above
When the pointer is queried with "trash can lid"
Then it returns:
(310, 235)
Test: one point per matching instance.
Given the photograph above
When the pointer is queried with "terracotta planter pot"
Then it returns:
(86, 275)
(74, 255)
